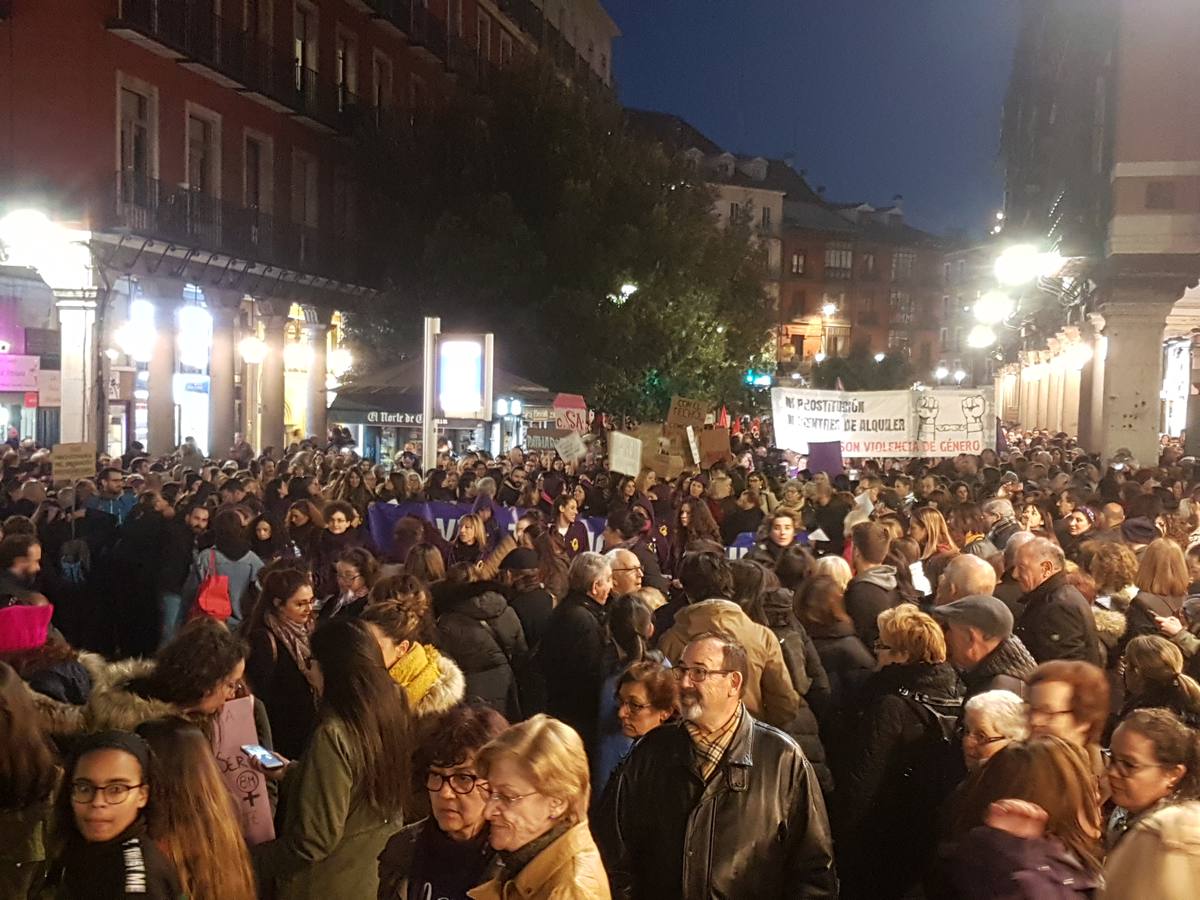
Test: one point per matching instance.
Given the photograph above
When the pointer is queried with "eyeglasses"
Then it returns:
(634, 707)
(1125, 767)
(505, 800)
(982, 740)
(114, 794)
(630, 569)
(880, 646)
(1042, 713)
(698, 674)
(460, 782)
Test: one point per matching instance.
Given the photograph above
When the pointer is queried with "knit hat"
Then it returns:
(24, 627)
(1138, 531)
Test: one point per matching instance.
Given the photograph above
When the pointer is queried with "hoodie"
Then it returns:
(769, 694)
(867, 595)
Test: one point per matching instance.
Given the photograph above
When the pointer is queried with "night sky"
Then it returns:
(873, 97)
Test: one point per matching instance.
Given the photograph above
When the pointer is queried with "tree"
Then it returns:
(860, 372)
(523, 212)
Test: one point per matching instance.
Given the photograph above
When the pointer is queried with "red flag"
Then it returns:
(723, 418)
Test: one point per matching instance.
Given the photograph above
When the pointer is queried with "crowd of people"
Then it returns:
(974, 677)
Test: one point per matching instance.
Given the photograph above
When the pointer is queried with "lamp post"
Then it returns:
(941, 373)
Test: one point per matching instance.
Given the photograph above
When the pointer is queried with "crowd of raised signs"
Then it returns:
(304, 674)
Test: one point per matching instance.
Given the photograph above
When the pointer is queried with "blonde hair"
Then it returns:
(937, 533)
(1113, 565)
(906, 629)
(1156, 662)
(1163, 570)
(836, 568)
(551, 754)
(480, 532)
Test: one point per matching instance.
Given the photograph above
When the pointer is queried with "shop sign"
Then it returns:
(49, 387)
(380, 417)
(19, 373)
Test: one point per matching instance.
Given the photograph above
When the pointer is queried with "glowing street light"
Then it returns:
(819, 357)
(994, 307)
(1022, 263)
(340, 360)
(940, 373)
(959, 376)
(253, 350)
(980, 337)
(880, 357)
(828, 310)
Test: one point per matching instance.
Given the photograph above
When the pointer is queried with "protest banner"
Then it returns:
(71, 462)
(693, 444)
(919, 423)
(624, 453)
(570, 412)
(686, 412)
(247, 785)
(826, 457)
(714, 447)
(571, 447)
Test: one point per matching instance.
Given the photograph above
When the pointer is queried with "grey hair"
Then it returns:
(586, 569)
(999, 506)
(1015, 542)
(1046, 550)
(485, 486)
(1004, 710)
(614, 556)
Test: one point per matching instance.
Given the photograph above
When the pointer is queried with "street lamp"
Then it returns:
(981, 337)
(828, 310)
(1022, 263)
(253, 350)
(340, 360)
(959, 376)
(940, 373)
(880, 357)
(994, 307)
(819, 357)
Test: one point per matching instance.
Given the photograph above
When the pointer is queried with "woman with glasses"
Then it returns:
(355, 573)
(101, 825)
(279, 666)
(1154, 834)
(446, 854)
(537, 815)
(344, 800)
(1069, 699)
(991, 721)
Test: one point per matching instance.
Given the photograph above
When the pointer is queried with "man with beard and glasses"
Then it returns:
(668, 812)
(20, 563)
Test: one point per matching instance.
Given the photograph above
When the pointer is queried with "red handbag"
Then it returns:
(212, 599)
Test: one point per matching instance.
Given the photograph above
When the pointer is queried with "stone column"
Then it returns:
(221, 370)
(1091, 384)
(77, 317)
(1192, 444)
(1043, 389)
(271, 382)
(160, 406)
(316, 396)
(1135, 317)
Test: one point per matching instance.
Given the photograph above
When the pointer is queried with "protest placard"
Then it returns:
(70, 462)
(571, 447)
(714, 447)
(624, 453)
(686, 412)
(233, 729)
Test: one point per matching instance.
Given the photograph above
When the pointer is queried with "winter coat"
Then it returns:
(241, 572)
(1158, 857)
(847, 661)
(446, 691)
(331, 835)
(757, 828)
(571, 660)
(1057, 623)
(65, 680)
(575, 540)
(327, 548)
(812, 684)
(867, 595)
(769, 694)
(489, 566)
(481, 633)
(990, 864)
(1002, 531)
(401, 859)
(275, 679)
(1139, 619)
(128, 865)
(1009, 592)
(740, 521)
(24, 859)
(1007, 668)
(896, 773)
(981, 547)
(569, 869)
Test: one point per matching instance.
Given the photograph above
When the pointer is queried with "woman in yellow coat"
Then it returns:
(537, 812)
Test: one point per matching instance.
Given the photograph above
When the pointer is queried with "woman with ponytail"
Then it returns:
(1154, 678)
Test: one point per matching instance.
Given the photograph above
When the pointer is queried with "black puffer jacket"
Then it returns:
(1007, 668)
(1057, 623)
(666, 834)
(571, 659)
(847, 661)
(481, 632)
(899, 768)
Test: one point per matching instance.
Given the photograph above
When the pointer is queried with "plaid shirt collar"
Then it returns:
(710, 746)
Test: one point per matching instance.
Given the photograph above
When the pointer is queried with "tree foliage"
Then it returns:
(860, 372)
(523, 212)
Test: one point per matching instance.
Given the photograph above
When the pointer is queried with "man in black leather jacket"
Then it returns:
(718, 804)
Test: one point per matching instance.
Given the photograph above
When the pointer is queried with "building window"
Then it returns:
(483, 36)
(944, 338)
(304, 190)
(868, 264)
(766, 218)
(346, 70)
(957, 340)
(798, 262)
(257, 174)
(304, 47)
(839, 261)
(1160, 195)
(506, 49)
(962, 269)
(203, 164)
(454, 15)
(381, 85)
(799, 303)
(901, 305)
(867, 303)
(897, 342)
(735, 213)
(137, 140)
(345, 213)
(903, 262)
(945, 307)
(945, 271)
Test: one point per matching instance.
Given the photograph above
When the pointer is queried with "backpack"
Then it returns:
(212, 597)
(935, 765)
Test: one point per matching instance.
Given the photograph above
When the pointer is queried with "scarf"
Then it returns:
(295, 639)
(416, 671)
(513, 862)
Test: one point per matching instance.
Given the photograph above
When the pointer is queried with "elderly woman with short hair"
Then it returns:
(991, 721)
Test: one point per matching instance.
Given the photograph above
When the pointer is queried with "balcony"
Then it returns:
(192, 219)
(188, 32)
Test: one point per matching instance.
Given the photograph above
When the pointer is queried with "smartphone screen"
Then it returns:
(265, 757)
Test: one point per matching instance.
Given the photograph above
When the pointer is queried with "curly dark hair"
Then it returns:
(458, 733)
(199, 657)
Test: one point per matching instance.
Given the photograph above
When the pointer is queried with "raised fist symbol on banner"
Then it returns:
(927, 413)
(973, 409)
